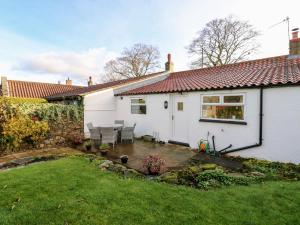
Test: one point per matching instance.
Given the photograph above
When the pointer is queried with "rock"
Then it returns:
(208, 166)
(257, 174)
(169, 177)
(194, 169)
(42, 145)
(105, 164)
(47, 142)
(117, 168)
(22, 161)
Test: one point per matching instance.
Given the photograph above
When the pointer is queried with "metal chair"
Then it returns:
(89, 125)
(95, 135)
(109, 135)
(127, 133)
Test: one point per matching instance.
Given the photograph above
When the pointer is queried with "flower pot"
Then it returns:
(88, 147)
(152, 173)
(104, 151)
(124, 159)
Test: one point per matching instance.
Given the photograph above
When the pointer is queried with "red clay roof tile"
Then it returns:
(25, 89)
(98, 87)
(268, 71)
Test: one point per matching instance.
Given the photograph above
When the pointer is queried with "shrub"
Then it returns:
(21, 128)
(153, 164)
(217, 178)
(104, 146)
(273, 170)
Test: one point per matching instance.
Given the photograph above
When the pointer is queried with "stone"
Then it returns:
(195, 169)
(169, 177)
(208, 166)
(257, 174)
(42, 145)
(106, 164)
(23, 161)
(117, 168)
(47, 142)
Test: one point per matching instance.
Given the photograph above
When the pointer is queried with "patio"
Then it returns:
(175, 156)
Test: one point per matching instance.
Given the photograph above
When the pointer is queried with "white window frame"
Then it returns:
(221, 103)
(131, 104)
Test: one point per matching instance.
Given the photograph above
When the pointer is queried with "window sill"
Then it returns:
(223, 121)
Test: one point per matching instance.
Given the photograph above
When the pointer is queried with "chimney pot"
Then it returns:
(69, 82)
(169, 66)
(90, 81)
(295, 42)
(295, 33)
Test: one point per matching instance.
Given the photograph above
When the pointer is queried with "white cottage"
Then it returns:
(252, 108)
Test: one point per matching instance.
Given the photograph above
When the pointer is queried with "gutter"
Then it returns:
(260, 140)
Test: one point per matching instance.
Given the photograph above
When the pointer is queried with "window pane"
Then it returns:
(223, 112)
(180, 106)
(233, 99)
(138, 101)
(138, 109)
(211, 99)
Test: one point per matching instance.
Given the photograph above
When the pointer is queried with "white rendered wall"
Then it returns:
(281, 126)
(156, 120)
(281, 122)
(99, 108)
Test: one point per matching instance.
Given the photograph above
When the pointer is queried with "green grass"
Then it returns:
(74, 191)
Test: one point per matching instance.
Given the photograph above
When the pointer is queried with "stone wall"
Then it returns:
(64, 133)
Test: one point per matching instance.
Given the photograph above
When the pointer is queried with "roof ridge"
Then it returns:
(44, 83)
(231, 64)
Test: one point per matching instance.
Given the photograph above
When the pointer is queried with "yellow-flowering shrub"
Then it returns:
(21, 128)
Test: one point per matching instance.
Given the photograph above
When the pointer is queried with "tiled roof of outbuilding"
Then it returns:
(25, 89)
(98, 87)
(261, 72)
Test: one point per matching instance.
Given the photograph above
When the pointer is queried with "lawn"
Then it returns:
(74, 191)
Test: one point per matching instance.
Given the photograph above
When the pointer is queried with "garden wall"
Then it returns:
(33, 123)
(63, 133)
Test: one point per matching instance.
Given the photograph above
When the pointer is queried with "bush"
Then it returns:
(217, 178)
(272, 170)
(20, 129)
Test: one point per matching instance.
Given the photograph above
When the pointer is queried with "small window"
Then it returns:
(180, 106)
(223, 107)
(138, 106)
(211, 99)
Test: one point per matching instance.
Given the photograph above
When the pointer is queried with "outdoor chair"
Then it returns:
(109, 135)
(127, 133)
(90, 125)
(95, 135)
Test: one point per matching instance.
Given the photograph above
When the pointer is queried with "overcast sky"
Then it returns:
(52, 40)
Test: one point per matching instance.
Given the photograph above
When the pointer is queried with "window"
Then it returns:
(138, 106)
(180, 106)
(223, 107)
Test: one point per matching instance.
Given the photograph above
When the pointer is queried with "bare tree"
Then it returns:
(223, 41)
(136, 61)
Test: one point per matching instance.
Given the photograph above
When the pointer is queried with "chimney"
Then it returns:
(69, 82)
(90, 82)
(169, 66)
(295, 42)
(4, 86)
